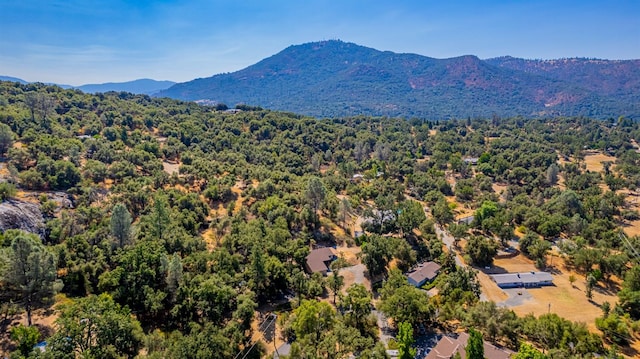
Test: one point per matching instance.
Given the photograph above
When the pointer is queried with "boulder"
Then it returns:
(22, 215)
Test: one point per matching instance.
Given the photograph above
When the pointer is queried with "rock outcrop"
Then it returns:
(22, 215)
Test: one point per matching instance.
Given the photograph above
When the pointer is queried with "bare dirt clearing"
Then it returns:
(170, 167)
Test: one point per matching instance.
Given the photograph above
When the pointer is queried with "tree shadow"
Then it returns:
(608, 289)
(629, 351)
(553, 270)
(492, 270)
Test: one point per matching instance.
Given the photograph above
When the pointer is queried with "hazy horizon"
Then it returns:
(77, 43)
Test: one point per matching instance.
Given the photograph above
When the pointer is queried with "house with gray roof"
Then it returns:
(523, 279)
(425, 272)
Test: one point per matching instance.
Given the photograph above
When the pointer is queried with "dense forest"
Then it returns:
(183, 230)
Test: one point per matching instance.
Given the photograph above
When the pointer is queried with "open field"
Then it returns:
(170, 167)
(566, 300)
(594, 160)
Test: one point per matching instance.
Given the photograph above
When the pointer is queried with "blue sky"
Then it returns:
(82, 41)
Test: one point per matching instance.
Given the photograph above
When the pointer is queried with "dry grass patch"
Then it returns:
(632, 202)
(594, 161)
(490, 289)
(209, 237)
(499, 188)
(632, 228)
(171, 167)
(567, 300)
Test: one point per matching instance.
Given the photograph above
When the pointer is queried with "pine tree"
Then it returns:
(405, 341)
(121, 224)
(475, 346)
(31, 271)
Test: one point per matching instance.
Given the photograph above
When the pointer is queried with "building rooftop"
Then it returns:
(448, 346)
(317, 258)
(523, 277)
(427, 270)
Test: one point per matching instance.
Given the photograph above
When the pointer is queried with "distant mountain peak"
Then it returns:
(336, 78)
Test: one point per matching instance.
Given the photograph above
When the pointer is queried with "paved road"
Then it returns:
(386, 332)
(447, 239)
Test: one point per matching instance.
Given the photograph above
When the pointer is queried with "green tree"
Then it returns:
(31, 271)
(481, 250)
(95, 327)
(630, 293)
(6, 138)
(410, 216)
(458, 231)
(475, 345)
(460, 285)
(311, 320)
(357, 307)
(404, 302)
(376, 254)
(441, 212)
(344, 210)
(245, 310)
(336, 282)
(134, 281)
(258, 272)
(315, 193)
(527, 351)
(121, 224)
(7, 190)
(487, 210)
(591, 282)
(614, 328)
(26, 338)
(160, 216)
(405, 341)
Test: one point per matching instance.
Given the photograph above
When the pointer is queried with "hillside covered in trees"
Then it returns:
(335, 78)
(174, 230)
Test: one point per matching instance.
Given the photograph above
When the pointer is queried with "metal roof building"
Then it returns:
(522, 279)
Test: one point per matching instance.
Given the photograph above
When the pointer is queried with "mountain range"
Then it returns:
(140, 86)
(335, 78)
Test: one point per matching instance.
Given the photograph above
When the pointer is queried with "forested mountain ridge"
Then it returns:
(189, 227)
(609, 77)
(335, 78)
(139, 86)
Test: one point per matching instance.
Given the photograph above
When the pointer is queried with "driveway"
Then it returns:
(386, 332)
(517, 296)
(448, 240)
(357, 271)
